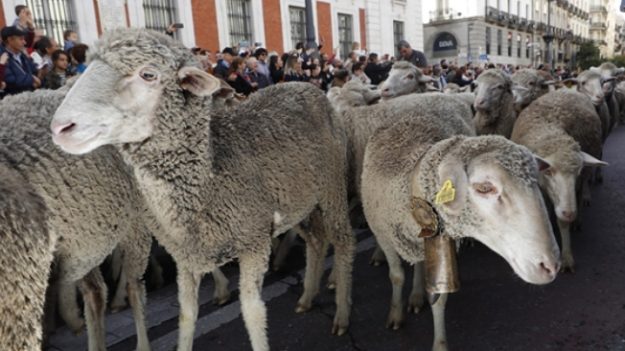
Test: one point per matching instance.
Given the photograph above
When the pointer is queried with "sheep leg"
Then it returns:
(252, 270)
(135, 262)
(568, 263)
(93, 290)
(136, 297)
(378, 256)
(282, 249)
(343, 262)
(396, 275)
(119, 300)
(316, 249)
(438, 313)
(586, 177)
(68, 306)
(221, 294)
(188, 288)
(417, 295)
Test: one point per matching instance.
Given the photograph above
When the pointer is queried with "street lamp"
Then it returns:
(310, 27)
(469, 29)
(548, 37)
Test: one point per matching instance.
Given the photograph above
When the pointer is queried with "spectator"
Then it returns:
(463, 77)
(376, 71)
(351, 59)
(236, 78)
(58, 74)
(406, 53)
(357, 50)
(256, 79)
(439, 78)
(20, 70)
(25, 23)
(4, 58)
(359, 73)
(275, 69)
(78, 56)
(341, 77)
(42, 56)
(223, 65)
(203, 56)
(263, 68)
(70, 38)
(293, 69)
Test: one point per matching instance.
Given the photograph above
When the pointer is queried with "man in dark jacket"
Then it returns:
(376, 71)
(406, 53)
(20, 72)
(221, 69)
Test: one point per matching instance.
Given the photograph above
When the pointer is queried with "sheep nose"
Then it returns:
(551, 268)
(60, 128)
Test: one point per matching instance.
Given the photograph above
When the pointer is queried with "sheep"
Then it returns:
(562, 128)
(609, 72)
(528, 85)
(221, 184)
(25, 260)
(619, 93)
(404, 78)
(497, 201)
(352, 94)
(494, 103)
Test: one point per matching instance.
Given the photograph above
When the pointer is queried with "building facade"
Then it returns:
(214, 24)
(506, 31)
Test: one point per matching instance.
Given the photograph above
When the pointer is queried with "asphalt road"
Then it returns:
(494, 310)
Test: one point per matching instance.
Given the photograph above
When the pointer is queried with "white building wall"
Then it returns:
(380, 15)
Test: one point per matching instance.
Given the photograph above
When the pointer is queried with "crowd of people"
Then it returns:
(30, 60)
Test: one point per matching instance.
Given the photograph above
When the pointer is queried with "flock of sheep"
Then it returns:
(163, 152)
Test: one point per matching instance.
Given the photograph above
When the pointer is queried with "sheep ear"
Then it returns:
(591, 161)
(547, 83)
(198, 82)
(452, 173)
(225, 90)
(543, 165)
(426, 79)
(569, 82)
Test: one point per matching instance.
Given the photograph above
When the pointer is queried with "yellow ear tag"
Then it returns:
(446, 194)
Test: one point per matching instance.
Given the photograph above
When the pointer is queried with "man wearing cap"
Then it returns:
(406, 53)
(221, 70)
(20, 71)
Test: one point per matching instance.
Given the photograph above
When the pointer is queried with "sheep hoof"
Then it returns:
(568, 264)
(377, 258)
(331, 286)
(339, 329)
(301, 308)
(395, 319)
(415, 303)
(395, 325)
(439, 346)
(77, 327)
(221, 299)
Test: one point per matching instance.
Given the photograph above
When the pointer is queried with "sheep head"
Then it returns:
(491, 88)
(404, 78)
(497, 200)
(527, 86)
(590, 84)
(116, 100)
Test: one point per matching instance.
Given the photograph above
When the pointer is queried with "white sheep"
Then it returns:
(403, 79)
(220, 183)
(495, 200)
(528, 85)
(563, 128)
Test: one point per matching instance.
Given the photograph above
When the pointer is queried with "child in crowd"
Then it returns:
(57, 76)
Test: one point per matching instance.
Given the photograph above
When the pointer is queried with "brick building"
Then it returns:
(214, 24)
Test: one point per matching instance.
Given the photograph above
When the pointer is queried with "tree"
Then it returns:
(588, 55)
(619, 60)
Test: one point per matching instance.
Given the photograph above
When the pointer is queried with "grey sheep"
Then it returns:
(562, 128)
(352, 94)
(220, 184)
(590, 84)
(528, 85)
(25, 262)
(92, 208)
(494, 103)
(403, 79)
(497, 201)
(609, 73)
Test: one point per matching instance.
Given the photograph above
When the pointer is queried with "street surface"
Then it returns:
(494, 309)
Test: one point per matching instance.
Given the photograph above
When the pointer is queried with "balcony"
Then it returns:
(492, 14)
(598, 26)
(513, 21)
(599, 8)
(600, 42)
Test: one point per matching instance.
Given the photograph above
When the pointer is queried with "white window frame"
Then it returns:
(258, 29)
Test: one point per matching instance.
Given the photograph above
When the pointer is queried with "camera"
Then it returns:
(178, 25)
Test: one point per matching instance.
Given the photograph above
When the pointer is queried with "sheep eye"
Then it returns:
(148, 75)
(410, 76)
(548, 172)
(485, 188)
(583, 83)
(531, 83)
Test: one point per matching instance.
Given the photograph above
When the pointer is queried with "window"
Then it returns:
(487, 40)
(509, 43)
(346, 36)
(240, 21)
(398, 34)
(527, 47)
(518, 45)
(159, 14)
(297, 16)
(499, 41)
(54, 17)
